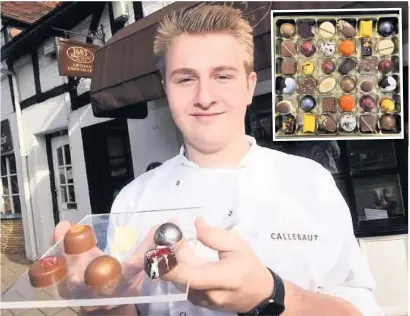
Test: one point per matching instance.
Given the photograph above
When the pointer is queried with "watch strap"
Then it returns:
(275, 304)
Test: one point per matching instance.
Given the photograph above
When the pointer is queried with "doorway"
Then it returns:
(108, 162)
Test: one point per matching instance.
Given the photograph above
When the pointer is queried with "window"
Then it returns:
(10, 199)
(65, 176)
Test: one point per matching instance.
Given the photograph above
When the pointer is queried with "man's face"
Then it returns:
(208, 89)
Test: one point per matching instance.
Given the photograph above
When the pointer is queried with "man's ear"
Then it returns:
(252, 80)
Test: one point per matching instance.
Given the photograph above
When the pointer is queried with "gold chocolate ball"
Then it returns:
(287, 30)
(387, 105)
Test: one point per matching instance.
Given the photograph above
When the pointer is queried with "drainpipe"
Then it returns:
(31, 250)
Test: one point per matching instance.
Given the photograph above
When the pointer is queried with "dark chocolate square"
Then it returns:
(288, 67)
(329, 105)
(366, 46)
(367, 124)
(288, 49)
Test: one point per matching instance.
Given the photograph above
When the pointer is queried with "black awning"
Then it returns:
(125, 75)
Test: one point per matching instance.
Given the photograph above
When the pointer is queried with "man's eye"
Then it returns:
(223, 77)
(184, 80)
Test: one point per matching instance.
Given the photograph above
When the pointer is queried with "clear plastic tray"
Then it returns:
(118, 235)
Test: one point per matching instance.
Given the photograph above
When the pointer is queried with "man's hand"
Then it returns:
(238, 282)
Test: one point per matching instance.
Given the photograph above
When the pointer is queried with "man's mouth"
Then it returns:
(206, 114)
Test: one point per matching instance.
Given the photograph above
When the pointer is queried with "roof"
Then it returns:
(27, 11)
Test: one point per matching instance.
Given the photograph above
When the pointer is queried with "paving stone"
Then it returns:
(6, 312)
(26, 312)
(4, 286)
(66, 312)
(33, 312)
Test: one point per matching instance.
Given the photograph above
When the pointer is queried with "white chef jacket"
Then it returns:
(288, 208)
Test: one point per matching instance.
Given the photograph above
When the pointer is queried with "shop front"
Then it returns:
(371, 175)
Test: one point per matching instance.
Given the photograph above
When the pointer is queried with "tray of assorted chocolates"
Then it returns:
(108, 260)
(337, 74)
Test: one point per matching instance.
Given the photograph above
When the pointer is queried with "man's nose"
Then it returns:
(204, 97)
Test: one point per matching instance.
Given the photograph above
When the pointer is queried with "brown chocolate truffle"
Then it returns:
(385, 66)
(103, 275)
(388, 123)
(79, 239)
(47, 271)
(327, 124)
(367, 123)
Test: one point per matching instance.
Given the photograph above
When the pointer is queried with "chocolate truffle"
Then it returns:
(168, 234)
(368, 64)
(307, 103)
(366, 85)
(388, 123)
(347, 84)
(385, 28)
(366, 28)
(347, 102)
(366, 46)
(305, 30)
(385, 47)
(327, 29)
(346, 28)
(309, 123)
(328, 66)
(287, 30)
(348, 122)
(329, 105)
(288, 124)
(284, 106)
(288, 48)
(347, 47)
(327, 124)
(327, 85)
(385, 66)
(307, 68)
(387, 105)
(396, 63)
(47, 271)
(286, 85)
(327, 48)
(387, 84)
(79, 239)
(288, 67)
(308, 85)
(159, 262)
(347, 65)
(103, 275)
(367, 103)
(367, 123)
(307, 48)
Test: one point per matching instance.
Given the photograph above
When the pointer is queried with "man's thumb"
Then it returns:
(216, 238)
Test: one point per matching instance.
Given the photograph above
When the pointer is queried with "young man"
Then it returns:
(282, 212)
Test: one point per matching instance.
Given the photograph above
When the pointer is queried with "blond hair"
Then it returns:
(204, 19)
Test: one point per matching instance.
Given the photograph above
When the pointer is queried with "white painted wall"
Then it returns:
(149, 7)
(6, 102)
(39, 119)
(49, 75)
(23, 67)
(153, 138)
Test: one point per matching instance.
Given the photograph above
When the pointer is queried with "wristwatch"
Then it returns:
(273, 306)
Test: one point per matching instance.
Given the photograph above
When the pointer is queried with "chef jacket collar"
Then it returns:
(244, 162)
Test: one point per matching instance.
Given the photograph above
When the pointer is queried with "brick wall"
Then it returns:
(12, 236)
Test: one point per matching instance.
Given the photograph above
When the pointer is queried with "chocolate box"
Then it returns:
(353, 57)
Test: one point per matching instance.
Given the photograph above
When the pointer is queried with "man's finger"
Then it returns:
(217, 238)
(59, 232)
(207, 276)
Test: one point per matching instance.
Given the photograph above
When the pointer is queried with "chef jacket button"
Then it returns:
(178, 182)
(182, 314)
(230, 213)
